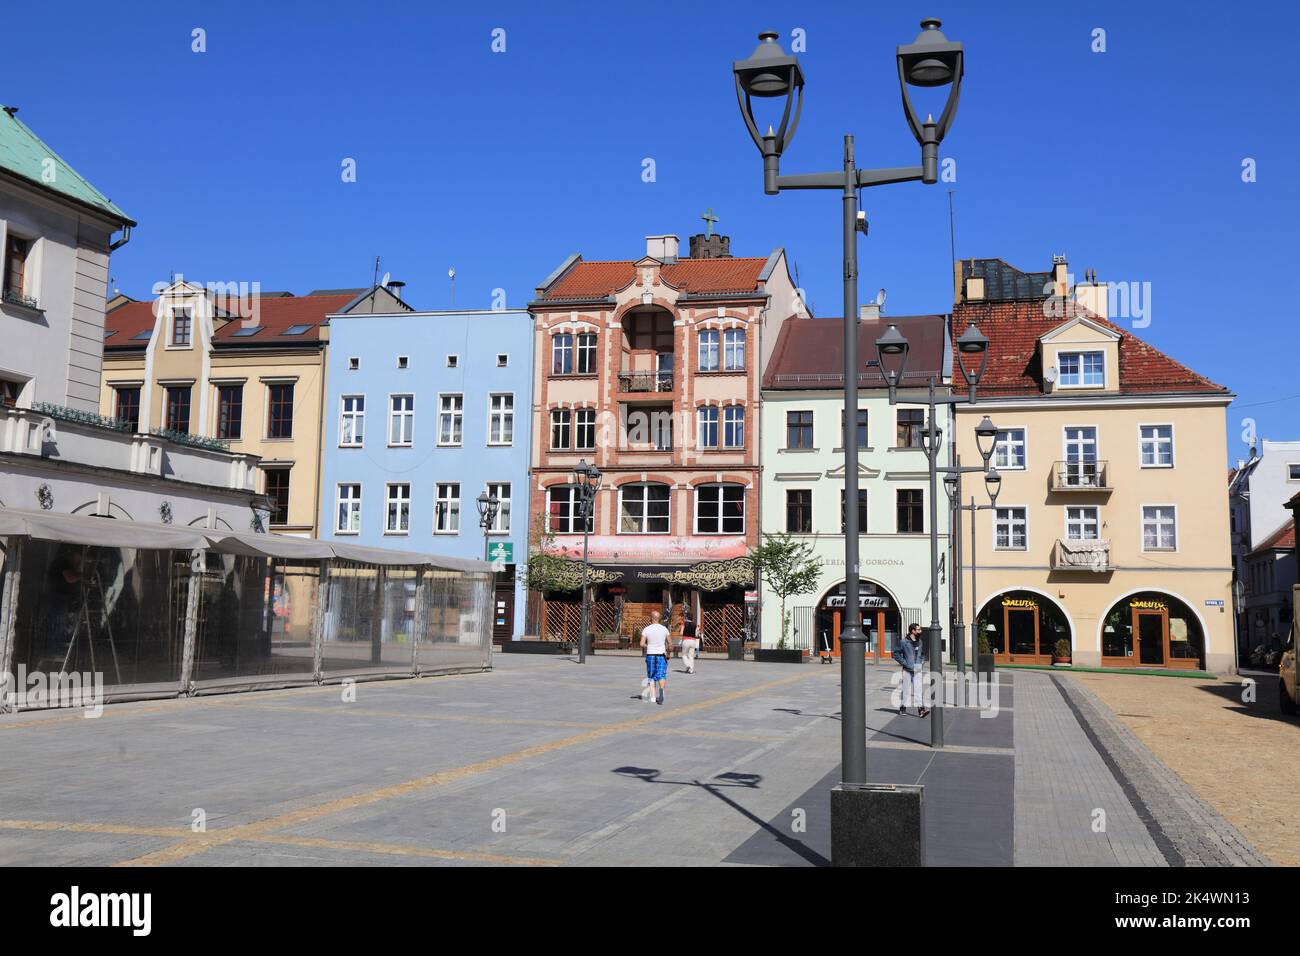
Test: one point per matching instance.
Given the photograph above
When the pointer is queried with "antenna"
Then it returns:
(952, 233)
(451, 274)
(375, 281)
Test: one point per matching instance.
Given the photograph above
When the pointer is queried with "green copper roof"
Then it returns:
(24, 154)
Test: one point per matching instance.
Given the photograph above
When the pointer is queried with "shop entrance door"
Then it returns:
(1151, 633)
(1020, 625)
(873, 626)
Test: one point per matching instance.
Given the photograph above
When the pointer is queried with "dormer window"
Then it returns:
(1082, 369)
(182, 322)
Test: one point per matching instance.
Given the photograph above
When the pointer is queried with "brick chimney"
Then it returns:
(710, 247)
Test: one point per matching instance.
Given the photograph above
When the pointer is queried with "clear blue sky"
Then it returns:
(1128, 161)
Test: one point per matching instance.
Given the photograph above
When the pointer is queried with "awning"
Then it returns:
(117, 533)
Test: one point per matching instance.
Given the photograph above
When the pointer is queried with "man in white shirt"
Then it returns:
(654, 641)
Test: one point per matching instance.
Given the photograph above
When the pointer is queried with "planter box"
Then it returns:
(735, 649)
(536, 647)
(984, 663)
(777, 656)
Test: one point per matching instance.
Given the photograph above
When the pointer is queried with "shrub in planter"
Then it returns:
(1061, 652)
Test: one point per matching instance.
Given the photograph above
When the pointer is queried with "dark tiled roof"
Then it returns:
(1281, 539)
(809, 353)
(275, 315)
(1003, 281)
(1015, 366)
(591, 280)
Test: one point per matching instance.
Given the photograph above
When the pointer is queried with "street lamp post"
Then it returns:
(891, 352)
(587, 478)
(488, 505)
(931, 61)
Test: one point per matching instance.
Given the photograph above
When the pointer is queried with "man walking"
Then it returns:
(654, 641)
(910, 653)
(690, 643)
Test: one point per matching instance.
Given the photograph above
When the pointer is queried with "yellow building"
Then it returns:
(1111, 527)
(236, 367)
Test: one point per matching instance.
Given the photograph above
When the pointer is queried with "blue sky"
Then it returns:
(500, 164)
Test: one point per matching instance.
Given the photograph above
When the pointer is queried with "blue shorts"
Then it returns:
(656, 667)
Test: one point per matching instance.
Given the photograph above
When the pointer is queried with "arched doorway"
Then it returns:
(1023, 627)
(1152, 629)
(881, 619)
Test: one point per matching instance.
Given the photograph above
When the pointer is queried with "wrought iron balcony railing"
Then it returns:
(645, 381)
(1080, 476)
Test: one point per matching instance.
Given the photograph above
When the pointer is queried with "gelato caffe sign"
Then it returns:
(864, 600)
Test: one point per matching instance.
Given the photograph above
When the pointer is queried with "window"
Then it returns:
(1293, 472)
(354, 363)
(1082, 368)
(563, 504)
(502, 360)
(584, 428)
(15, 278)
(1082, 524)
(1009, 455)
(798, 511)
(708, 351)
(453, 361)
(446, 509)
(277, 489)
(644, 509)
(708, 427)
(501, 524)
(862, 428)
(562, 354)
(911, 511)
(403, 361)
(911, 425)
(733, 353)
(1157, 446)
(182, 320)
(401, 419)
(733, 426)
(1159, 530)
(862, 511)
(178, 408)
(561, 420)
(587, 353)
(720, 509)
(298, 329)
(397, 518)
(450, 415)
(347, 507)
(230, 411)
(501, 419)
(352, 421)
(798, 429)
(128, 406)
(279, 418)
(1009, 529)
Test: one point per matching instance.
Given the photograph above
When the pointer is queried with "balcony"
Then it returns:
(1081, 556)
(634, 382)
(1091, 476)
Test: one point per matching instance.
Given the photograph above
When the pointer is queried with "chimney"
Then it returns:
(1092, 295)
(395, 286)
(663, 248)
(1060, 276)
(869, 313)
(710, 247)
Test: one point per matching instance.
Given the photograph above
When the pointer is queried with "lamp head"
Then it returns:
(993, 485)
(891, 352)
(931, 59)
(972, 348)
(986, 438)
(769, 71)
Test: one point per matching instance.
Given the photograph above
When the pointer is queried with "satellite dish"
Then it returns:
(451, 273)
(384, 281)
(880, 299)
(1050, 374)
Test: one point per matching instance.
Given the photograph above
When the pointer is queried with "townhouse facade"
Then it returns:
(1111, 533)
(803, 479)
(651, 370)
(424, 412)
(231, 368)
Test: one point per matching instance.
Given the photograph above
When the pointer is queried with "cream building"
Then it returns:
(1111, 526)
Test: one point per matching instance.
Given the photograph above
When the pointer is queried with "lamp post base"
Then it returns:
(876, 824)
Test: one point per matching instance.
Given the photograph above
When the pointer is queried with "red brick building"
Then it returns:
(651, 369)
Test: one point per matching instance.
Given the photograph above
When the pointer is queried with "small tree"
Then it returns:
(789, 568)
(547, 568)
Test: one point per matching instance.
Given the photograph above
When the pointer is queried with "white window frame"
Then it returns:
(999, 462)
(703, 428)
(1142, 526)
(715, 348)
(1289, 466)
(586, 342)
(499, 417)
(438, 501)
(407, 414)
(188, 312)
(645, 516)
(1142, 441)
(574, 523)
(500, 523)
(558, 349)
(722, 434)
(455, 414)
(574, 427)
(403, 519)
(354, 507)
(1083, 523)
(358, 418)
(719, 485)
(567, 413)
(729, 348)
(1011, 523)
(1081, 354)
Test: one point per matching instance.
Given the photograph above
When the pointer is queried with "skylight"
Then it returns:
(245, 332)
(296, 329)
(109, 333)
(147, 333)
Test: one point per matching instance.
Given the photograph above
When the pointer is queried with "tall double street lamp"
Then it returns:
(931, 61)
(488, 506)
(587, 479)
(891, 351)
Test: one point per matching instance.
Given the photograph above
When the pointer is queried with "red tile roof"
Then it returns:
(809, 353)
(275, 314)
(1281, 539)
(591, 280)
(1015, 367)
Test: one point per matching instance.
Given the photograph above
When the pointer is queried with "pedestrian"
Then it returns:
(654, 641)
(690, 643)
(910, 653)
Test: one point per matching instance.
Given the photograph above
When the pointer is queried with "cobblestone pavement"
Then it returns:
(1213, 755)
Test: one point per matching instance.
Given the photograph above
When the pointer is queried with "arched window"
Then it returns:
(644, 509)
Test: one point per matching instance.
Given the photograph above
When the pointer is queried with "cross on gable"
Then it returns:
(709, 219)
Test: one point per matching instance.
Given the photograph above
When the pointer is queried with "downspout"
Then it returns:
(317, 524)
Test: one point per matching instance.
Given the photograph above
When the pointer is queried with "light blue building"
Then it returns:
(425, 411)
